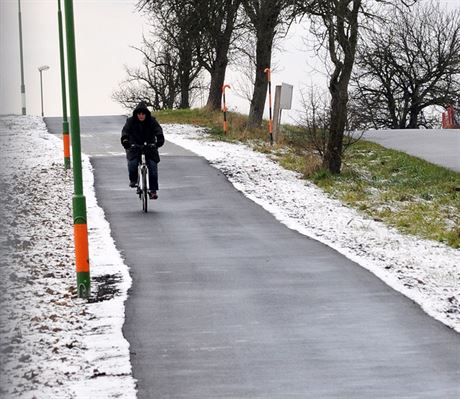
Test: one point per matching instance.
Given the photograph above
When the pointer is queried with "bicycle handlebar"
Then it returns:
(151, 145)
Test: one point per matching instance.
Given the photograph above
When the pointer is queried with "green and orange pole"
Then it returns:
(79, 201)
(224, 107)
(65, 123)
(270, 120)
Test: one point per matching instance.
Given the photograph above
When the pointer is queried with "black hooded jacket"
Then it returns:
(137, 132)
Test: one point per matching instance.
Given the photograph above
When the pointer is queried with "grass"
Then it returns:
(413, 195)
(402, 191)
(213, 121)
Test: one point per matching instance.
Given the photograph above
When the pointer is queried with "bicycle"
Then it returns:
(143, 177)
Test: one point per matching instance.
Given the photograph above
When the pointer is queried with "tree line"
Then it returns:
(387, 60)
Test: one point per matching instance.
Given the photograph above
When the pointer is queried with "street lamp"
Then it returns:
(41, 69)
(23, 86)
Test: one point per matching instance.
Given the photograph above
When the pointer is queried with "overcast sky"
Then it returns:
(105, 30)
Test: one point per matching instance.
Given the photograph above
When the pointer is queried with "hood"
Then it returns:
(142, 106)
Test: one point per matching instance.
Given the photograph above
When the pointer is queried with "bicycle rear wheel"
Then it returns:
(145, 194)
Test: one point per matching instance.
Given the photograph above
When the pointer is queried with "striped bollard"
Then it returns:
(224, 107)
(66, 141)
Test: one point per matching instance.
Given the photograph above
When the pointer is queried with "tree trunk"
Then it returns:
(184, 91)
(263, 60)
(217, 80)
(392, 109)
(185, 79)
(332, 159)
(413, 117)
(346, 37)
(222, 46)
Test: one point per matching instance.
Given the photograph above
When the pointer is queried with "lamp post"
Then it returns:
(23, 86)
(41, 69)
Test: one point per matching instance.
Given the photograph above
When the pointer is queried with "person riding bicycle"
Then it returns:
(142, 128)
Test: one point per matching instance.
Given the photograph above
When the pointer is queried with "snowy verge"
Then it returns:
(53, 344)
(427, 272)
(108, 350)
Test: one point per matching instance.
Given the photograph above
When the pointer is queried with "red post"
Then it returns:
(450, 116)
(224, 107)
(270, 127)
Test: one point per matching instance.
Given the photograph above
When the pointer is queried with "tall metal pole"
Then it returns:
(65, 123)
(23, 86)
(41, 89)
(41, 69)
(79, 201)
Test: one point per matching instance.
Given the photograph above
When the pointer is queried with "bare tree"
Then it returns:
(408, 63)
(156, 82)
(174, 23)
(338, 30)
(217, 20)
(336, 24)
(316, 121)
(203, 33)
(268, 19)
(245, 65)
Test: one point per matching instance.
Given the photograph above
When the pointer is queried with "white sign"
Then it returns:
(286, 96)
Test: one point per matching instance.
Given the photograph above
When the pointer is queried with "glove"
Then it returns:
(125, 144)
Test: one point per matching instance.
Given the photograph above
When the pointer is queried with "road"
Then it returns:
(228, 303)
(439, 146)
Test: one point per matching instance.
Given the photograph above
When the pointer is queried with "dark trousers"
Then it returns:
(153, 172)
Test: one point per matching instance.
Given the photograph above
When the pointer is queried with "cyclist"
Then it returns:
(142, 128)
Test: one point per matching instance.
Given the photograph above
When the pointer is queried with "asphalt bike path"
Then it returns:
(439, 146)
(226, 302)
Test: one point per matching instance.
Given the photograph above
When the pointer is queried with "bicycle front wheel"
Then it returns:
(145, 194)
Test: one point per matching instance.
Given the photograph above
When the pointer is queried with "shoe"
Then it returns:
(153, 195)
(132, 184)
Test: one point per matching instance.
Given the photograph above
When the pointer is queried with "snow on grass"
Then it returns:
(53, 344)
(425, 271)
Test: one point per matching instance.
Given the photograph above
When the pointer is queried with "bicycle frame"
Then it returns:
(143, 180)
(142, 167)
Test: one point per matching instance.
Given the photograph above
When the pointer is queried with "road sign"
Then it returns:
(286, 96)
